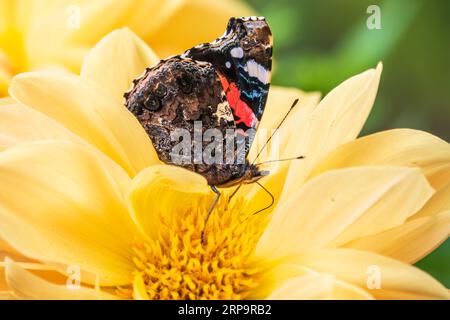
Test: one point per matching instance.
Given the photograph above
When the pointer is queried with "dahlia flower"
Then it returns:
(82, 188)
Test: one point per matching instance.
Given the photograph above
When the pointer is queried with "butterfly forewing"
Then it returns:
(243, 59)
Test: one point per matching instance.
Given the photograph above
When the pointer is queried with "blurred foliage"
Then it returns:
(318, 44)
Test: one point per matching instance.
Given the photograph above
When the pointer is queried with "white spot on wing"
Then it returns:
(258, 71)
(228, 64)
(237, 52)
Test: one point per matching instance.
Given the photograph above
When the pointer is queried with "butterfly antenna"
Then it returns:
(272, 198)
(269, 161)
(264, 146)
(276, 129)
(281, 160)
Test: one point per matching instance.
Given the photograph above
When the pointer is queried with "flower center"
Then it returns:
(179, 266)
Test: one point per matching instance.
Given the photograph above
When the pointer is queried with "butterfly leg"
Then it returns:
(216, 200)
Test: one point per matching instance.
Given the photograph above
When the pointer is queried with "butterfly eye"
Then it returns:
(152, 103)
(161, 91)
(185, 83)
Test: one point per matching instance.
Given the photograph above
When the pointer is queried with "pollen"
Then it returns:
(178, 265)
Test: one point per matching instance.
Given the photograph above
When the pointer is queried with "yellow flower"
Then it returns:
(57, 33)
(81, 189)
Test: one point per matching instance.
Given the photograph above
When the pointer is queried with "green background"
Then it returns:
(318, 44)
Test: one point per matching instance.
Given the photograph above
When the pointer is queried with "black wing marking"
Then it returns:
(243, 55)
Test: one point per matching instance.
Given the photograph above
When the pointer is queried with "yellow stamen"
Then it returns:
(178, 266)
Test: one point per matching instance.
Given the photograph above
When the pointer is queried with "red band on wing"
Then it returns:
(240, 108)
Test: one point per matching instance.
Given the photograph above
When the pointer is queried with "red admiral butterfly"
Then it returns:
(224, 84)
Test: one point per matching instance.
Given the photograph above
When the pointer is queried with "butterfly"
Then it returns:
(224, 84)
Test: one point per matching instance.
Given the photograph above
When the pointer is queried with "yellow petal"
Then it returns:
(20, 124)
(340, 205)
(311, 287)
(76, 25)
(7, 295)
(22, 44)
(208, 17)
(25, 285)
(409, 242)
(292, 281)
(277, 272)
(96, 23)
(66, 40)
(3, 284)
(139, 290)
(13, 55)
(382, 277)
(116, 60)
(142, 16)
(439, 202)
(6, 101)
(421, 233)
(337, 119)
(88, 112)
(399, 147)
(318, 287)
(5, 78)
(5, 291)
(346, 291)
(7, 251)
(345, 109)
(5, 15)
(68, 204)
(22, 13)
(138, 19)
(163, 191)
(46, 272)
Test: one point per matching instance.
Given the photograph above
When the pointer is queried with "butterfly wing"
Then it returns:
(243, 60)
(224, 84)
